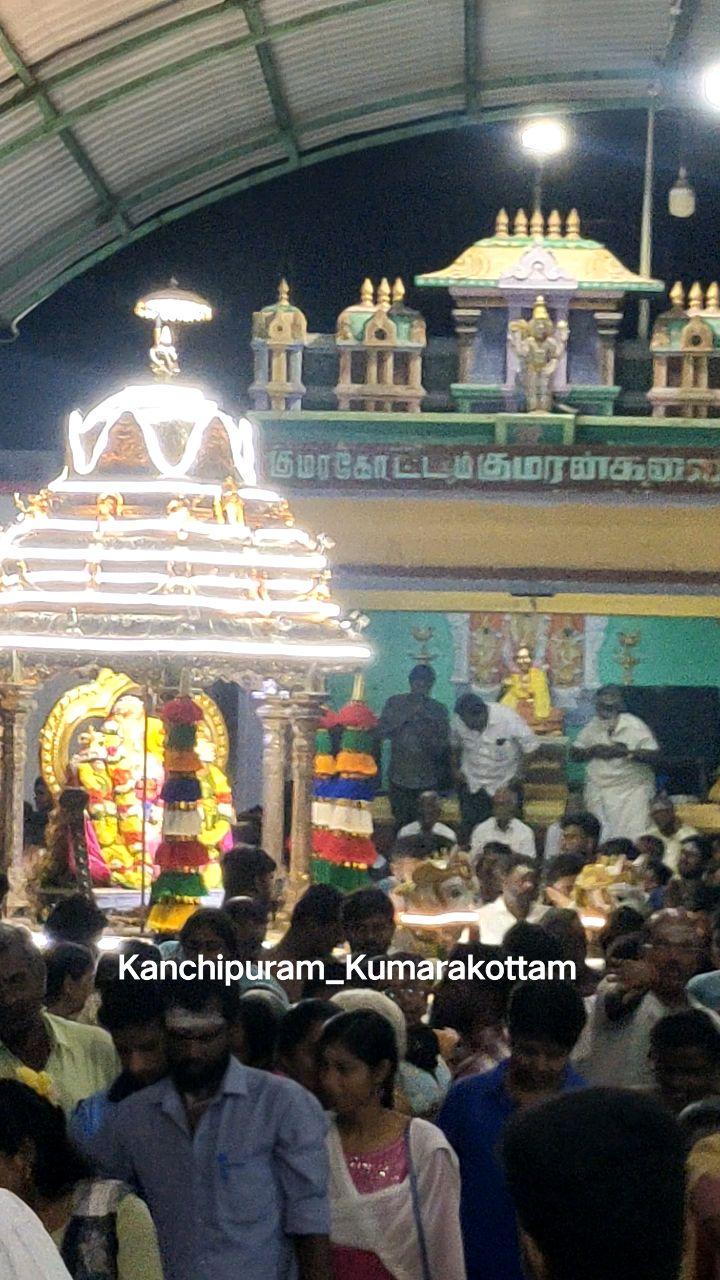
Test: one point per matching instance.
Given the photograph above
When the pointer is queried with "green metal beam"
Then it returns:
(51, 116)
(147, 38)
(271, 75)
(472, 55)
(381, 137)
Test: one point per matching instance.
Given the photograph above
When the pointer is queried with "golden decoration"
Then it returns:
(398, 291)
(554, 226)
(366, 292)
(537, 223)
(626, 659)
(502, 223)
(572, 226)
(383, 295)
(695, 297)
(712, 297)
(520, 227)
(90, 704)
(677, 295)
(283, 291)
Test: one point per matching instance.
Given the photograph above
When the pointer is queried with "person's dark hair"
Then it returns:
(587, 822)
(598, 1181)
(467, 1005)
(334, 972)
(25, 1117)
(362, 904)
(4, 884)
(653, 847)
(259, 1019)
(620, 921)
(423, 1047)
(625, 946)
(688, 1028)
(370, 1038)
(550, 1012)
(297, 1021)
(197, 995)
(320, 904)
(615, 689)
(244, 908)
(215, 919)
(704, 846)
(424, 844)
(531, 942)
(65, 960)
(131, 1004)
(620, 847)
(470, 703)
(242, 866)
(566, 864)
(422, 671)
(519, 860)
(498, 847)
(660, 870)
(140, 948)
(75, 919)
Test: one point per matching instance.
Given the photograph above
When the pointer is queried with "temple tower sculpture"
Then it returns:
(685, 348)
(279, 335)
(380, 342)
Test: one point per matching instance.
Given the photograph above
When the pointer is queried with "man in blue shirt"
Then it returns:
(231, 1161)
(133, 1013)
(544, 1022)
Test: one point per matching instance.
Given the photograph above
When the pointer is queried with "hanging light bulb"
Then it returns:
(681, 196)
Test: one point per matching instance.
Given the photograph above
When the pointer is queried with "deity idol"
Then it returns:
(527, 691)
(539, 346)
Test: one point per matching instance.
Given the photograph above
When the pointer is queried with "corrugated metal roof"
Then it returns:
(112, 111)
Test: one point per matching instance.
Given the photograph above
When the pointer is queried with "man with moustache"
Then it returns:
(230, 1161)
(544, 1022)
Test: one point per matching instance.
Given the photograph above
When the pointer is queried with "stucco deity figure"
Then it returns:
(539, 346)
(527, 691)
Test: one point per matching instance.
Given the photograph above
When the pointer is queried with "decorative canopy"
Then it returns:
(157, 543)
(510, 255)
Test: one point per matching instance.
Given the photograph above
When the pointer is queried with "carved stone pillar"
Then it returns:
(274, 715)
(305, 715)
(16, 703)
(608, 323)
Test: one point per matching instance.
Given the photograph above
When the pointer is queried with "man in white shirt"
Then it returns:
(621, 752)
(26, 1250)
(666, 826)
(489, 742)
(518, 901)
(429, 810)
(505, 826)
(616, 1049)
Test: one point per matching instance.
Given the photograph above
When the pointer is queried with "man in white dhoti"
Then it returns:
(621, 752)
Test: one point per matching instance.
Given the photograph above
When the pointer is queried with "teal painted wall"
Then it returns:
(672, 651)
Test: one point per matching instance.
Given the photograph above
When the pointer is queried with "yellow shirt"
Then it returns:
(82, 1060)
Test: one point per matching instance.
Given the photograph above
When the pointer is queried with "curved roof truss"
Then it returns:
(118, 117)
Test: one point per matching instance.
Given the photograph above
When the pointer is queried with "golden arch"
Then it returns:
(91, 703)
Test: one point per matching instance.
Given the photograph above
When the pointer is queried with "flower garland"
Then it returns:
(345, 783)
(180, 855)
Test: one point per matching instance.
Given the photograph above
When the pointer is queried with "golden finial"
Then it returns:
(540, 311)
(712, 297)
(366, 292)
(677, 295)
(695, 297)
(554, 226)
(398, 290)
(537, 224)
(572, 225)
(520, 227)
(383, 294)
(502, 224)
(283, 291)
(358, 690)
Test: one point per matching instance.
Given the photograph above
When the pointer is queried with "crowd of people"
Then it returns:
(405, 1125)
